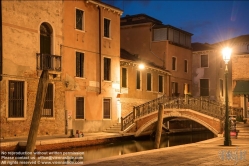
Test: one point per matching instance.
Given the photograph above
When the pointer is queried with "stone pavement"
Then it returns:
(206, 153)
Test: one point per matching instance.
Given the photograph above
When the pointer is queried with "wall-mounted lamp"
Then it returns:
(141, 66)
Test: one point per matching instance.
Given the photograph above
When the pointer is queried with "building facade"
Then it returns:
(91, 64)
(31, 34)
(141, 81)
(164, 45)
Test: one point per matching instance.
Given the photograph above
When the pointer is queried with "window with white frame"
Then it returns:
(107, 25)
(79, 19)
(80, 108)
(16, 99)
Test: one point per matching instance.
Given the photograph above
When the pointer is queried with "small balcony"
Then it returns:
(48, 62)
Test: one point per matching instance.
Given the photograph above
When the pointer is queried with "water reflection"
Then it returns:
(140, 144)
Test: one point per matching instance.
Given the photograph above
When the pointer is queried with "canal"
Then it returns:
(139, 144)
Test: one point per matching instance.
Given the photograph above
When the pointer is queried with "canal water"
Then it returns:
(139, 144)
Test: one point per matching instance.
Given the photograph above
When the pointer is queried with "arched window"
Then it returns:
(45, 38)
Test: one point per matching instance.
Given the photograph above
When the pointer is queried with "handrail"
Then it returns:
(202, 105)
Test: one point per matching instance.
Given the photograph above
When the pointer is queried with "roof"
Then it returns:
(201, 47)
(138, 19)
(124, 54)
(235, 40)
(170, 26)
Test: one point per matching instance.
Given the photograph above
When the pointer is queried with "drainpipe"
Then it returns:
(100, 50)
(1, 43)
(152, 51)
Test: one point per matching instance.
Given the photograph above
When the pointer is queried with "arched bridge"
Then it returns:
(208, 113)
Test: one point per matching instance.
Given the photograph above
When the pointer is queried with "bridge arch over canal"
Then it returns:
(208, 113)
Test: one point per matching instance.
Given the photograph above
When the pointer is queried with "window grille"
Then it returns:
(79, 64)
(107, 69)
(107, 27)
(16, 99)
(49, 102)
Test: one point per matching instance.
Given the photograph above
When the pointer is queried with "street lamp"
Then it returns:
(226, 57)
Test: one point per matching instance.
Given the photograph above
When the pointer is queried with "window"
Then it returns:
(160, 83)
(174, 87)
(160, 34)
(49, 102)
(186, 88)
(107, 69)
(16, 99)
(80, 108)
(204, 87)
(149, 82)
(79, 22)
(107, 108)
(138, 80)
(221, 87)
(107, 24)
(79, 64)
(124, 78)
(185, 66)
(173, 63)
(204, 60)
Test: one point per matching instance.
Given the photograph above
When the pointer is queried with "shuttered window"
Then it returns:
(160, 34)
(80, 108)
(49, 102)
(204, 60)
(16, 99)
(107, 108)
(79, 64)
(204, 87)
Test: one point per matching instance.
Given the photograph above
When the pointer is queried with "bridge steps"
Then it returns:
(116, 128)
(243, 130)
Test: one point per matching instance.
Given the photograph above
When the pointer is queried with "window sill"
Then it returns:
(107, 119)
(16, 119)
(80, 119)
(47, 118)
(79, 30)
(108, 38)
(82, 78)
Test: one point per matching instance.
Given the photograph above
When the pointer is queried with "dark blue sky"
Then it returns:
(209, 21)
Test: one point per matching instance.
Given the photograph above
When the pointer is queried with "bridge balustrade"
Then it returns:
(202, 105)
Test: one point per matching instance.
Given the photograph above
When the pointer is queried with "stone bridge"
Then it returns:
(208, 113)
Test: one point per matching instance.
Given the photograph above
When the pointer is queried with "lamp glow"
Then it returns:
(226, 54)
(141, 66)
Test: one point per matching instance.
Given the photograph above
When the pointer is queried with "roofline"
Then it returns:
(127, 16)
(172, 28)
(150, 66)
(106, 6)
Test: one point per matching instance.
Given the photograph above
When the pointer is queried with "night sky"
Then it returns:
(208, 21)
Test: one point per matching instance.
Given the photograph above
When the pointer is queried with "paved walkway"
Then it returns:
(205, 153)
